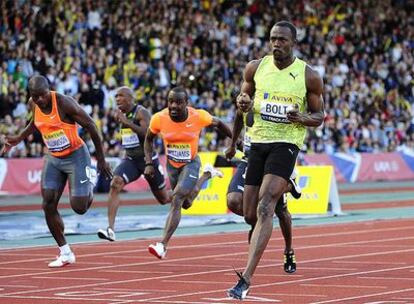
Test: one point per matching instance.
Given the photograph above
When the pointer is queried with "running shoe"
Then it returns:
(289, 261)
(107, 234)
(240, 290)
(158, 250)
(213, 171)
(63, 260)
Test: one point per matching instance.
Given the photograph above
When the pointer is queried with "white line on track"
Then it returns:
(365, 296)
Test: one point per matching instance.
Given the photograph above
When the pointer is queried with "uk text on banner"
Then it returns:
(316, 183)
(212, 197)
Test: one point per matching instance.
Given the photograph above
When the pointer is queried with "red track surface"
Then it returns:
(371, 262)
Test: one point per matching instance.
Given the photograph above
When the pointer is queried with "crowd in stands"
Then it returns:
(363, 49)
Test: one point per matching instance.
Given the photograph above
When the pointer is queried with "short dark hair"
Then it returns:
(289, 25)
(180, 90)
(38, 83)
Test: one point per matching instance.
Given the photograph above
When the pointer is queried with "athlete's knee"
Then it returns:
(117, 184)
(80, 204)
(265, 209)
(164, 197)
(235, 203)
(49, 205)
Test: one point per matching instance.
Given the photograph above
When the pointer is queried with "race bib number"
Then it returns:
(56, 141)
(129, 138)
(274, 111)
(180, 153)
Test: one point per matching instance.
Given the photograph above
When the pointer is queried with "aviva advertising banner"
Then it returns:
(212, 197)
(319, 189)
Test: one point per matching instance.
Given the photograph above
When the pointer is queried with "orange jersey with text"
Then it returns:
(180, 138)
(60, 138)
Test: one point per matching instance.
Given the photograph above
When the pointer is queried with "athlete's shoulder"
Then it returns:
(254, 64)
(313, 79)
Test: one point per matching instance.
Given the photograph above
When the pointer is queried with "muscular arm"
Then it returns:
(315, 105)
(29, 129)
(144, 118)
(12, 140)
(221, 126)
(149, 146)
(237, 127)
(73, 111)
(248, 88)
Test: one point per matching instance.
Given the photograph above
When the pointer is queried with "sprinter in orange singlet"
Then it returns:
(56, 116)
(179, 126)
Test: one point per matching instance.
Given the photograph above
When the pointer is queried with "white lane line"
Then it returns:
(365, 296)
(345, 286)
(72, 278)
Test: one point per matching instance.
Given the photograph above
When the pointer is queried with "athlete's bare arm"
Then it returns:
(73, 111)
(315, 106)
(148, 151)
(143, 116)
(12, 140)
(221, 126)
(245, 99)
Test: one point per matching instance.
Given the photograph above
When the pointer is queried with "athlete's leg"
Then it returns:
(285, 222)
(186, 182)
(157, 184)
(117, 184)
(270, 191)
(53, 219)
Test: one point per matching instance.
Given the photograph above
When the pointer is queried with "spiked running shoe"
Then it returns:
(107, 234)
(63, 260)
(296, 190)
(158, 250)
(240, 290)
(289, 262)
(213, 171)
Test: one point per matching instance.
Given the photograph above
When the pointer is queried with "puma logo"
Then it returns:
(293, 76)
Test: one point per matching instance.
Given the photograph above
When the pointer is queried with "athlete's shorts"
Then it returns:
(185, 177)
(76, 167)
(130, 169)
(270, 158)
(238, 179)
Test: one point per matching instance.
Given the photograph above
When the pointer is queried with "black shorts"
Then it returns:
(237, 181)
(130, 169)
(270, 158)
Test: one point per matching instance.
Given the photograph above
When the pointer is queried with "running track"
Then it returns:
(365, 262)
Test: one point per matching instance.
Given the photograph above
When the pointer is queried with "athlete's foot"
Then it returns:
(158, 250)
(240, 290)
(63, 260)
(107, 234)
(213, 171)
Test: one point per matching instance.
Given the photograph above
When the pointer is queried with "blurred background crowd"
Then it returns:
(363, 49)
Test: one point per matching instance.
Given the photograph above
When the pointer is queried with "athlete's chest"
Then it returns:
(185, 131)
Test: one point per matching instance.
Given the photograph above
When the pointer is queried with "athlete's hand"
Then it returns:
(105, 169)
(244, 102)
(240, 145)
(8, 142)
(120, 117)
(294, 115)
(230, 152)
(149, 171)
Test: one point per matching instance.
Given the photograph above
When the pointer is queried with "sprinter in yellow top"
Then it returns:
(282, 96)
